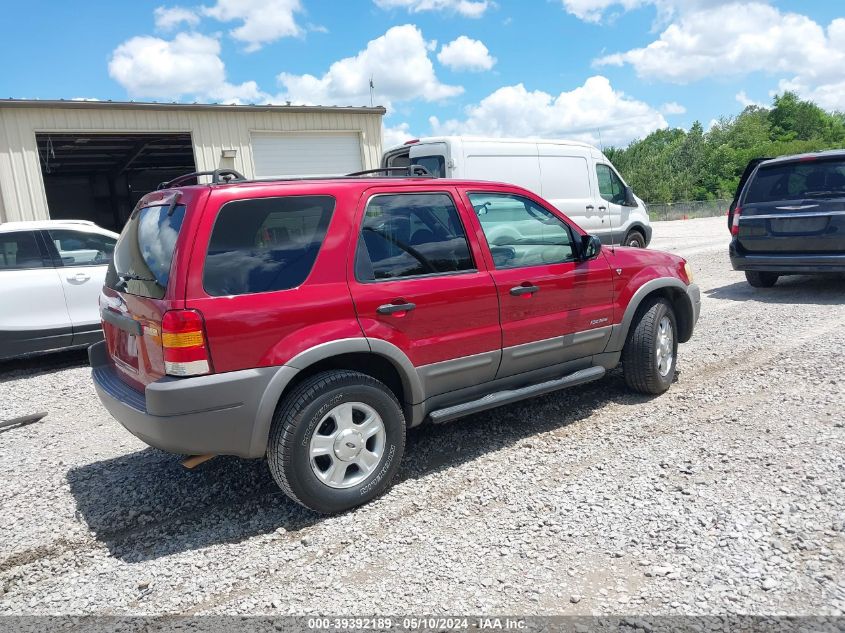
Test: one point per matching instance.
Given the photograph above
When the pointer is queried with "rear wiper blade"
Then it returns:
(824, 194)
(124, 277)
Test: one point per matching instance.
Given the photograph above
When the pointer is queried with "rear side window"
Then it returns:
(20, 250)
(407, 235)
(798, 181)
(144, 253)
(265, 244)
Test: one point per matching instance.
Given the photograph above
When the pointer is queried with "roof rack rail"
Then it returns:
(217, 176)
(413, 171)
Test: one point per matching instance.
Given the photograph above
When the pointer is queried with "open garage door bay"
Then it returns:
(100, 177)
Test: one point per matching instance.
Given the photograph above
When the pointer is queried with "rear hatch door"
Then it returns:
(143, 282)
(795, 207)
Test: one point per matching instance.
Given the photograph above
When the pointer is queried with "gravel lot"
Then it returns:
(724, 495)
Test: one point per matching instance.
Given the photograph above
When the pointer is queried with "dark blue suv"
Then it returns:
(788, 217)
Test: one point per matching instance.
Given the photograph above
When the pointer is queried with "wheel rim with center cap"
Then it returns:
(347, 445)
(665, 344)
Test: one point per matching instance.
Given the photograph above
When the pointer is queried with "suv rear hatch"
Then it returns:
(141, 284)
(795, 206)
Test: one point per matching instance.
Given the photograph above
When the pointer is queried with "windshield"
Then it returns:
(144, 252)
(798, 181)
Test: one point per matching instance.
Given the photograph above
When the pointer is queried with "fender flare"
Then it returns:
(640, 228)
(286, 373)
(679, 290)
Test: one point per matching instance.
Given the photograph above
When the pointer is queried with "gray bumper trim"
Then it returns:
(802, 263)
(208, 414)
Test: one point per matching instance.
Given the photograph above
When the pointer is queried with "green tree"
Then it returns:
(673, 165)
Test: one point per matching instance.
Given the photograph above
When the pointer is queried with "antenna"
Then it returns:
(372, 91)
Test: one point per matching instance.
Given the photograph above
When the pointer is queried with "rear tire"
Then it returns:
(336, 441)
(634, 239)
(651, 351)
(760, 279)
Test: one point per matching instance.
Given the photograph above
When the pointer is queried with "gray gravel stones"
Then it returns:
(722, 496)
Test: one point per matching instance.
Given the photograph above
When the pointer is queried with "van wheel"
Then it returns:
(651, 351)
(761, 280)
(336, 441)
(635, 239)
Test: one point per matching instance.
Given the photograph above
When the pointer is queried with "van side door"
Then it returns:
(611, 201)
(566, 183)
(420, 285)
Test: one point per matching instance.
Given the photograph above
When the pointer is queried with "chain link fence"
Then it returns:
(688, 210)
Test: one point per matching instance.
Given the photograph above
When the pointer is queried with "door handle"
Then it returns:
(590, 207)
(79, 277)
(392, 308)
(518, 291)
(602, 208)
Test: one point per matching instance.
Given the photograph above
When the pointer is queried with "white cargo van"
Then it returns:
(575, 177)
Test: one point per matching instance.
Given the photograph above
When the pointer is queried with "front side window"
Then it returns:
(520, 232)
(407, 235)
(140, 264)
(79, 248)
(611, 187)
(436, 165)
(265, 244)
(20, 250)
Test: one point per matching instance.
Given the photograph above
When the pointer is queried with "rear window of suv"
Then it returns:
(798, 181)
(144, 253)
(265, 244)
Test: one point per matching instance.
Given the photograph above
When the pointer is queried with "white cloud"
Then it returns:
(167, 18)
(466, 8)
(189, 64)
(398, 63)
(596, 10)
(673, 107)
(263, 21)
(586, 113)
(741, 38)
(396, 135)
(744, 100)
(464, 53)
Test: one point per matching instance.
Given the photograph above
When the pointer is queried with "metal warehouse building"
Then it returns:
(93, 160)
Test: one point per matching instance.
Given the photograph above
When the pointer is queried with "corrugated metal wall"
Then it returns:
(22, 188)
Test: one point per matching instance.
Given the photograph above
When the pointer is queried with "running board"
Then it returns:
(500, 398)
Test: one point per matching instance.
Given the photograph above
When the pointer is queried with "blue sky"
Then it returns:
(589, 69)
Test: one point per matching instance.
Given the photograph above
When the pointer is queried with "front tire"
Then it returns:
(635, 239)
(759, 279)
(336, 441)
(651, 351)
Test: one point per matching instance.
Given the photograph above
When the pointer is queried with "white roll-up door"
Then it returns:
(306, 154)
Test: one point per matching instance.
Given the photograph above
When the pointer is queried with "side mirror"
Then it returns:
(590, 247)
(630, 200)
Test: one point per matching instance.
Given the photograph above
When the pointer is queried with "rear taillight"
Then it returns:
(735, 222)
(183, 341)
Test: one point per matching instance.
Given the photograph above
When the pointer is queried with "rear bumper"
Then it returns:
(214, 414)
(786, 263)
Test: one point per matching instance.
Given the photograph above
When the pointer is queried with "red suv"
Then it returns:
(314, 321)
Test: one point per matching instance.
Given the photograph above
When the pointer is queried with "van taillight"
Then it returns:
(183, 341)
(735, 222)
